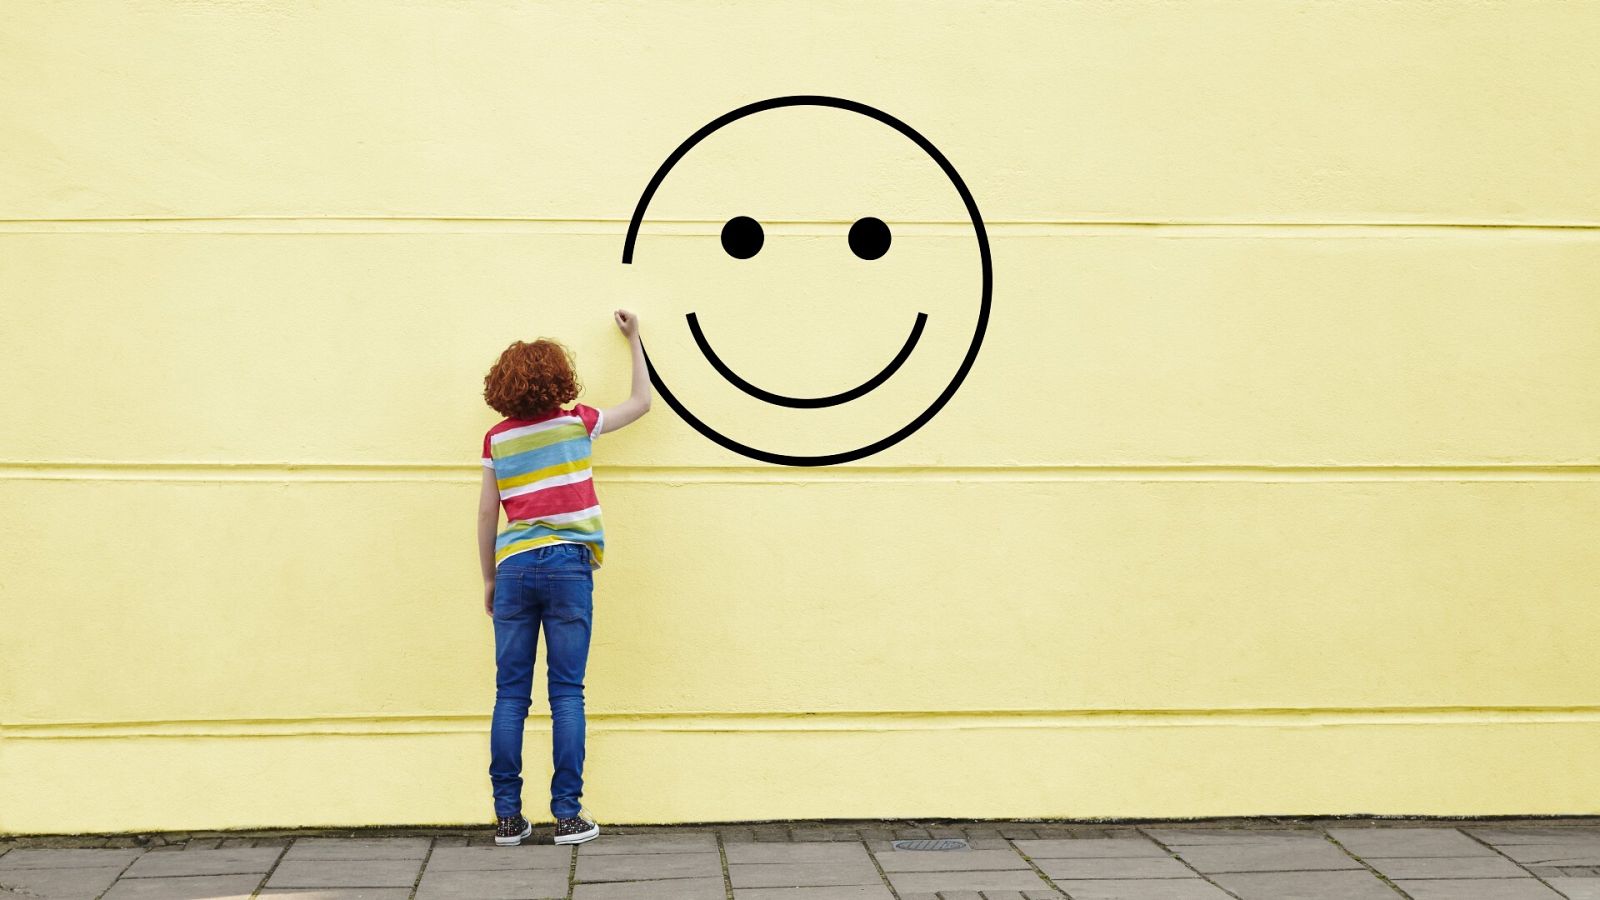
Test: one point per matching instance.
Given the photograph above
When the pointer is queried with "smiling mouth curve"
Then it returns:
(805, 402)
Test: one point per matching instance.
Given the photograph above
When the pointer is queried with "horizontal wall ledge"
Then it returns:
(1088, 227)
(793, 721)
(168, 471)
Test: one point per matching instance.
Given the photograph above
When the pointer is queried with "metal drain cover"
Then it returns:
(939, 844)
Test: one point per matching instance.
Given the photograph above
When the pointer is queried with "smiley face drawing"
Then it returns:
(869, 239)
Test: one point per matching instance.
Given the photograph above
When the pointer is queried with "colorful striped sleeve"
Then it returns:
(488, 460)
(590, 417)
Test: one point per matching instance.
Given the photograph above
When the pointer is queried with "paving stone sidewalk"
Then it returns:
(1214, 859)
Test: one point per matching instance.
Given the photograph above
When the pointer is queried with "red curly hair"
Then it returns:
(530, 380)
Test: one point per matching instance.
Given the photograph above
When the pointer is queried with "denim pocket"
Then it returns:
(506, 586)
(571, 601)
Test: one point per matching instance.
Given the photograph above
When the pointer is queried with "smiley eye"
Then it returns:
(869, 238)
(742, 237)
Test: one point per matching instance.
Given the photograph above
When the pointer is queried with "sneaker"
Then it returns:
(510, 830)
(576, 830)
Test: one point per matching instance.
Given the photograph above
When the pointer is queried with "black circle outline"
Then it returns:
(927, 146)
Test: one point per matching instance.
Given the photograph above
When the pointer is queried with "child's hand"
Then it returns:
(627, 322)
(488, 598)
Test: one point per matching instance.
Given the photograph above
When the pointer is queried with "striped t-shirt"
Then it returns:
(541, 466)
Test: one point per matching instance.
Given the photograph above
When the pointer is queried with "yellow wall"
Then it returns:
(1273, 489)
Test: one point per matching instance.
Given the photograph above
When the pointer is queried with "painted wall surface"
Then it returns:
(1273, 489)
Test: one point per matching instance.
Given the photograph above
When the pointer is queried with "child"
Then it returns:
(539, 568)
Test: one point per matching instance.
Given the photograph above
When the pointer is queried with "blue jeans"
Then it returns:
(554, 585)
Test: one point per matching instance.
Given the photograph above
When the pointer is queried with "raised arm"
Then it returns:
(638, 402)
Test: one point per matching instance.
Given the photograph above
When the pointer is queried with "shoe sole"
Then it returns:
(514, 841)
(580, 837)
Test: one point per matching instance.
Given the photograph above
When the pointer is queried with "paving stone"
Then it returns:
(1276, 856)
(837, 892)
(1478, 889)
(1586, 835)
(1112, 833)
(64, 842)
(1362, 885)
(649, 866)
(523, 856)
(229, 861)
(1115, 867)
(492, 884)
(771, 833)
(58, 883)
(345, 873)
(452, 840)
(950, 860)
(796, 853)
(802, 874)
(1576, 888)
(736, 835)
(1448, 867)
(1565, 854)
(27, 858)
(1548, 872)
(1085, 848)
(338, 892)
(669, 842)
(996, 880)
(1380, 843)
(674, 889)
(911, 834)
(982, 895)
(200, 843)
(358, 848)
(188, 887)
(1143, 889)
(1173, 837)
(823, 834)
